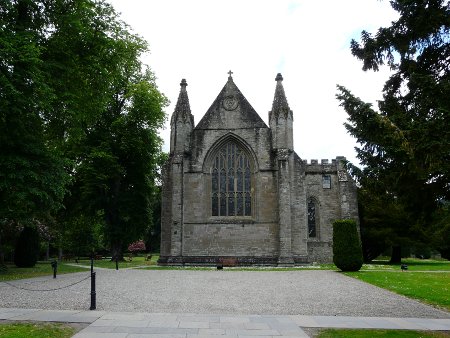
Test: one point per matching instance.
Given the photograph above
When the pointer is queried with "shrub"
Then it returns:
(136, 247)
(27, 248)
(347, 252)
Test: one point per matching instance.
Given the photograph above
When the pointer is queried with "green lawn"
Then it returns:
(135, 262)
(40, 269)
(353, 333)
(414, 264)
(36, 330)
(429, 287)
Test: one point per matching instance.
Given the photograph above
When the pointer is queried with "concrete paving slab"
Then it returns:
(372, 322)
(139, 324)
(83, 334)
(10, 313)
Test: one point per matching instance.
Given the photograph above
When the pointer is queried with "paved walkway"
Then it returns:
(104, 324)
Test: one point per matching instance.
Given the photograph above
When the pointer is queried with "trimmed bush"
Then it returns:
(27, 248)
(347, 252)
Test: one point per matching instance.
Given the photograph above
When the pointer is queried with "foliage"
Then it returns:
(432, 288)
(27, 248)
(404, 145)
(83, 235)
(137, 246)
(347, 253)
(32, 175)
(78, 119)
(383, 221)
(116, 175)
(36, 330)
(441, 230)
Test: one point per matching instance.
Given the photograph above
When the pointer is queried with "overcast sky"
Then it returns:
(306, 40)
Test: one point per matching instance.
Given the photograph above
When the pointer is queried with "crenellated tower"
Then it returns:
(182, 122)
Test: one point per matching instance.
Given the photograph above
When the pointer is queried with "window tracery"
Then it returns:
(231, 182)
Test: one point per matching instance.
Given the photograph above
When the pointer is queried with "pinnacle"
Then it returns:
(280, 105)
(182, 108)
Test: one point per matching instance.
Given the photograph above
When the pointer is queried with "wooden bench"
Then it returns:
(227, 262)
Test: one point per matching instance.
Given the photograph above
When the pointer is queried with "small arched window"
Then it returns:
(231, 182)
(312, 228)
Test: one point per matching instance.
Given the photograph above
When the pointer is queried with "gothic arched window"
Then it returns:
(231, 182)
(312, 229)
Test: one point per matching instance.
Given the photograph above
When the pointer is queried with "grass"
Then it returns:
(414, 264)
(36, 330)
(40, 269)
(108, 264)
(431, 288)
(360, 333)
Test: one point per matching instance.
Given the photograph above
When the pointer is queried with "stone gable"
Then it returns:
(235, 188)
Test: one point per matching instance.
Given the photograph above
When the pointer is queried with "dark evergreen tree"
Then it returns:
(404, 148)
(26, 252)
(347, 253)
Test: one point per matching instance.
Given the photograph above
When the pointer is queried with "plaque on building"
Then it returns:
(342, 176)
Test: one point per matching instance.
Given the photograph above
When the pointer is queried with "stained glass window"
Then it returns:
(231, 182)
(311, 218)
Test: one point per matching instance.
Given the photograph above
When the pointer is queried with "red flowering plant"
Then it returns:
(136, 247)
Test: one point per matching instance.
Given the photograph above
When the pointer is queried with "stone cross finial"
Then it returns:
(229, 73)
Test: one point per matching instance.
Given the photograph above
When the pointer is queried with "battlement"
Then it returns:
(334, 161)
(322, 162)
(324, 166)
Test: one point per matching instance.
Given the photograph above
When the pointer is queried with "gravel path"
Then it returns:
(218, 292)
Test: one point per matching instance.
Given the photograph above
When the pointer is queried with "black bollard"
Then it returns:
(54, 267)
(117, 263)
(93, 293)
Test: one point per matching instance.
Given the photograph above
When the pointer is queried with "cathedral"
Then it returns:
(234, 188)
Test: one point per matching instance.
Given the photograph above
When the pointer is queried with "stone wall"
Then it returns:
(276, 232)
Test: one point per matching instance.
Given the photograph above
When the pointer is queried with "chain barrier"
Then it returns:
(62, 287)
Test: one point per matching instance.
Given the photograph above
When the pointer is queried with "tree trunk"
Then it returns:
(396, 256)
(116, 251)
(47, 253)
(2, 255)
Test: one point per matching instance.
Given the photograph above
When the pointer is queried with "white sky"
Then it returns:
(308, 41)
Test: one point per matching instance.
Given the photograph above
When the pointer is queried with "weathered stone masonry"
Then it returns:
(233, 187)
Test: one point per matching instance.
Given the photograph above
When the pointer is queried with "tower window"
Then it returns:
(326, 181)
(231, 182)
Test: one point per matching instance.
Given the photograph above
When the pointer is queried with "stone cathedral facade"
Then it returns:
(234, 187)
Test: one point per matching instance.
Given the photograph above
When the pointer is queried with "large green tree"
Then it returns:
(69, 73)
(32, 175)
(405, 149)
(117, 170)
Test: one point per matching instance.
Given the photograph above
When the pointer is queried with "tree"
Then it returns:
(27, 248)
(69, 74)
(32, 175)
(347, 253)
(113, 141)
(404, 145)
